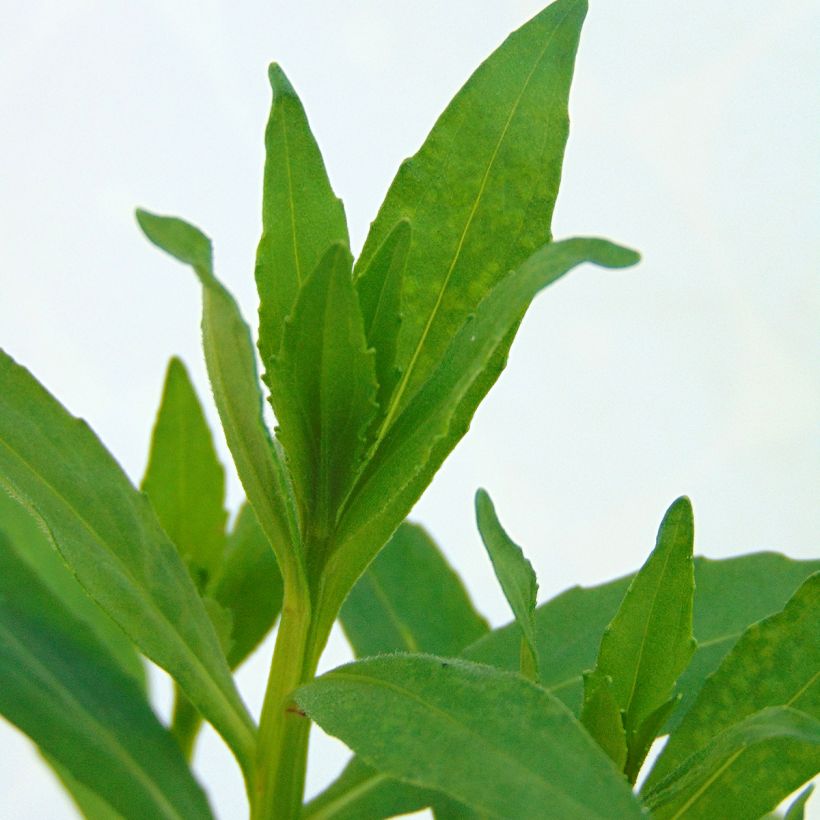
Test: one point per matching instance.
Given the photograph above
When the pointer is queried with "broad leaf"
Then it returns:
(60, 687)
(301, 216)
(323, 391)
(481, 190)
(184, 479)
(776, 662)
(410, 599)
(730, 594)
(229, 356)
(419, 440)
(516, 576)
(446, 724)
(745, 771)
(109, 536)
(649, 642)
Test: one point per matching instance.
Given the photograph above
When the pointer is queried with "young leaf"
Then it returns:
(229, 356)
(110, 538)
(301, 216)
(323, 391)
(481, 190)
(730, 594)
(420, 438)
(649, 642)
(745, 771)
(445, 724)
(516, 576)
(58, 685)
(379, 287)
(797, 808)
(776, 662)
(184, 479)
(601, 716)
(410, 599)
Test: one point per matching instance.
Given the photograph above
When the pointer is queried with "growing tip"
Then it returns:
(279, 82)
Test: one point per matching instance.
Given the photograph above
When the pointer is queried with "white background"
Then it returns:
(693, 139)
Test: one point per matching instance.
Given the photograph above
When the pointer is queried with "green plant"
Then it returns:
(374, 370)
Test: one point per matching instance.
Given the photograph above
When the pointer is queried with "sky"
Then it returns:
(693, 139)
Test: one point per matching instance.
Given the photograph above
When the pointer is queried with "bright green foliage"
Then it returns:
(323, 390)
(63, 690)
(301, 216)
(601, 716)
(649, 642)
(797, 808)
(439, 725)
(745, 771)
(184, 479)
(58, 467)
(776, 662)
(410, 600)
(516, 576)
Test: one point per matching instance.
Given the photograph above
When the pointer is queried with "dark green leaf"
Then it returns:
(776, 662)
(745, 771)
(601, 716)
(446, 725)
(516, 576)
(410, 599)
(90, 805)
(301, 216)
(59, 686)
(323, 391)
(184, 479)
(109, 536)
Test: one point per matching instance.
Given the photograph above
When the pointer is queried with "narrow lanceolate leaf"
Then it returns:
(745, 771)
(248, 585)
(184, 479)
(516, 576)
(797, 809)
(649, 642)
(410, 599)
(601, 716)
(323, 390)
(420, 438)
(379, 287)
(730, 594)
(481, 190)
(446, 724)
(110, 538)
(775, 663)
(301, 216)
(60, 687)
(229, 356)
(34, 547)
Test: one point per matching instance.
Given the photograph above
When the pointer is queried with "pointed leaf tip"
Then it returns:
(179, 238)
(279, 82)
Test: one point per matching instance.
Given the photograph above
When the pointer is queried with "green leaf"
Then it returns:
(379, 287)
(516, 576)
(229, 356)
(248, 585)
(797, 808)
(730, 594)
(649, 642)
(601, 716)
(410, 599)
(110, 538)
(445, 724)
(407, 458)
(481, 190)
(59, 686)
(301, 216)
(33, 546)
(90, 805)
(745, 771)
(184, 479)
(323, 391)
(776, 662)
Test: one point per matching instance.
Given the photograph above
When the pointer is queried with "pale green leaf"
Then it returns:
(776, 662)
(110, 538)
(60, 687)
(516, 576)
(323, 391)
(745, 770)
(184, 479)
(601, 716)
(301, 216)
(448, 724)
